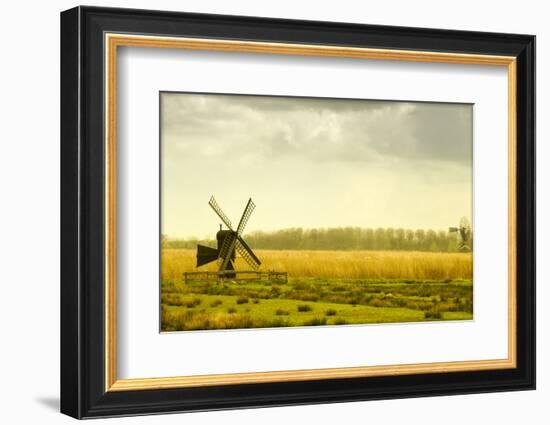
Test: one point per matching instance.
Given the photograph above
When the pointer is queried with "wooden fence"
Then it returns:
(235, 275)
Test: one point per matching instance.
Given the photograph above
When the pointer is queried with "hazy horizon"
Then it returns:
(313, 163)
(212, 236)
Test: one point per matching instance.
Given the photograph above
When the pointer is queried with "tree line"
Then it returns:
(341, 238)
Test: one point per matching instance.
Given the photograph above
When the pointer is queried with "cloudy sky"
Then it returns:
(310, 162)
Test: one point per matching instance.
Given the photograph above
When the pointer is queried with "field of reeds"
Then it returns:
(412, 265)
(324, 288)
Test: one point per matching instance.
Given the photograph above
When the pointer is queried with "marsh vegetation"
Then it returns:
(356, 287)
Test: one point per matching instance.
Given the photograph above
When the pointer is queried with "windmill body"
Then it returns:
(464, 231)
(229, 243)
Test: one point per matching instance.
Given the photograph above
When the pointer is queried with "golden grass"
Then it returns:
(339, 264)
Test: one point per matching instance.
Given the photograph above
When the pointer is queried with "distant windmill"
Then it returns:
(464, 231)
(229, 241)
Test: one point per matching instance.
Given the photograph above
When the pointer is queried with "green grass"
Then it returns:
(311, 302)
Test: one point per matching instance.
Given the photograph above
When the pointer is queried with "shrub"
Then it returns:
(316, 321)
(301, 286)
(172, 299)
(399, 302)
(304, 307)
(281, 312)
(231, 310)
(219, 321)
(175, 320)
(330, 312)
(277, 323)
(242, 300)
(426, 306)
(191, 303)
(275, 292)
(255, 300)
(175, 300)
(337, 299)
(432, 314)
(377, 302)
(216, 303)
(340, 322)
(309, 297)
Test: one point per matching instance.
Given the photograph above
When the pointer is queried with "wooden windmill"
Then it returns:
(230, 242)
(464, 231)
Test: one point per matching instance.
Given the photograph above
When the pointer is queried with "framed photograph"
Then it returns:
(261, 212)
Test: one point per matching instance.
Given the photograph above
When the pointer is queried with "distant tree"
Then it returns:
(419, 238)
(400, 239)
(409, 236)
(442, 242)
(380, 239)
(390, 235)
(367, 239)
(431, 239)
(338, 238)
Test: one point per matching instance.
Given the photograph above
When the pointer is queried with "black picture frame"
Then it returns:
(83, 392)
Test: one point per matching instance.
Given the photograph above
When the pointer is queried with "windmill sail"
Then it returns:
(226, 250)
(214, 205)
(247, 254)
(246, 215)
(206, 255)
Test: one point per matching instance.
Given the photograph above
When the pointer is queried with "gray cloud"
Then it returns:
(319, 129)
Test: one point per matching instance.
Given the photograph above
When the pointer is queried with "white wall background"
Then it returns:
(29, 217)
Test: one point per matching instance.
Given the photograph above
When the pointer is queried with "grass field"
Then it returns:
(356, 287)
(339, 264)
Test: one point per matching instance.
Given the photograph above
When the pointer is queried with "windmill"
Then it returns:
(229, 242)
(464, 231)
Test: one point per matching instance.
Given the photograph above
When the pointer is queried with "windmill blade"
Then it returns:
(246, 252)
(464, 223)
(228, 240)
(206, 255)
(227, 248)
(220, 213)
(246, 215)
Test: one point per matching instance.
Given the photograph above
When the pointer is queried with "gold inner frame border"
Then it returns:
(112, 41)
